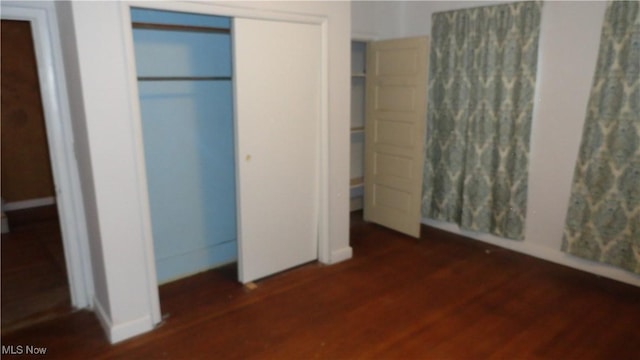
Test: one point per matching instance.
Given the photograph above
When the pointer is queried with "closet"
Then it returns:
(184, 69)
(232, 123)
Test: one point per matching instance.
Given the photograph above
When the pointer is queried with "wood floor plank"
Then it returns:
(442, 296)
(34, 278)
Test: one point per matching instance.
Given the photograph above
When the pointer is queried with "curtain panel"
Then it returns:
(603, 219)
(481, 91)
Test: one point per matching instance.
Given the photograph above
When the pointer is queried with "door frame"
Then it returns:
(59, 131)
(324, 255)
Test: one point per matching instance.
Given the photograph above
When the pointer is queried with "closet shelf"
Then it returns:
(356, 182)
(188, 28)
(184, 78)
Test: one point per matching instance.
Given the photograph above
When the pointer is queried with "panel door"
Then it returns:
(277, 74)
(394, 132)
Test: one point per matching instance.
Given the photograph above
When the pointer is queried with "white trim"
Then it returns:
(28, 204)
(46, 38)
(229, 9)
(541, 252)
(136, 126)
(324, 255)
(143, 193)
(340, 255)
(120, 332)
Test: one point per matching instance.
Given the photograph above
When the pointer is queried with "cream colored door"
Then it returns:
(278, 92)
(394, 132)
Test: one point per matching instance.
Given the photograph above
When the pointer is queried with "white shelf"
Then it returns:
(358, 80)
(356, 182)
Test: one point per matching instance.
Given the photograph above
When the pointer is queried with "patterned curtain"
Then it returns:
(481, 87)
(603, 220)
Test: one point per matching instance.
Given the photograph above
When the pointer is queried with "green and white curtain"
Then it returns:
(603, 220)
(481, 88)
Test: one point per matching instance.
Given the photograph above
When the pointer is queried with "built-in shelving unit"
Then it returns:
(358, 82)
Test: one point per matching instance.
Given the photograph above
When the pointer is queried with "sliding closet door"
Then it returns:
(186, 99)
(277, 78)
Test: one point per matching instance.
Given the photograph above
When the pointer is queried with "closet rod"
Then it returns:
(183, 78)
(171, 27)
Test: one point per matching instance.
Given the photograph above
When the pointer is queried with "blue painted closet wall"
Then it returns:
(188, 142)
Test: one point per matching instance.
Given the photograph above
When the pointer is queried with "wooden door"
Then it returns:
(277, 78)
(394, 132)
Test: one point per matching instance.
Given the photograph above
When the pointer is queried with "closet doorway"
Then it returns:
(231, 126)
(185, 85)
(35, 284)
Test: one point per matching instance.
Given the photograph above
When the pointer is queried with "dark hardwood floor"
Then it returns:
(440, 297)
(34, 277)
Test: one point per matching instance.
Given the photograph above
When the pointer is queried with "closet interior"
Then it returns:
(358, 83)
(184, 69)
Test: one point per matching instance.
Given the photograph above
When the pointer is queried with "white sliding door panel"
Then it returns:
(394, 132)
(277, 79)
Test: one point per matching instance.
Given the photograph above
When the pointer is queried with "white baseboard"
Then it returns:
(27, 204)
(544, 253)
(124, 331)
(340, 255)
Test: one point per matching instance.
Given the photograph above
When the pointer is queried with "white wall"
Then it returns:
(417, 14)
(100, 111)
(376, 20)
(93, 36)
(569, 41)
(81, 148)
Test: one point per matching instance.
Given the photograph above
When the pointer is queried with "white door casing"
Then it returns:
(394, 132)
(64, 167)
(277, 74)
